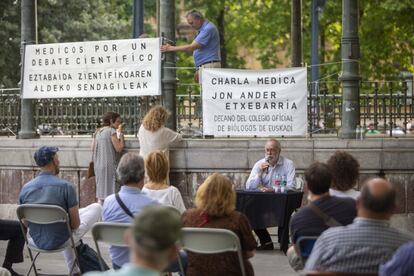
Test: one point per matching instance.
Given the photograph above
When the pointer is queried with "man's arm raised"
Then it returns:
(188, 47)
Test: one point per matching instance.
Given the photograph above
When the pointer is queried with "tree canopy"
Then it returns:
(257, 30)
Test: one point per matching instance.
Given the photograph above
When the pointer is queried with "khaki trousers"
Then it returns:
(207, 65)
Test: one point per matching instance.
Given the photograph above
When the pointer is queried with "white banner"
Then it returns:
(254, 102)
(129, 67)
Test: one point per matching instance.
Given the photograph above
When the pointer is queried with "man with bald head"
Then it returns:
(366, 243)
(268, 170)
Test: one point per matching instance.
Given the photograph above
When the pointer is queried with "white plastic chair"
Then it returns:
(211, 241)
(44, 214)
(4, 272)
(111, 233)
(300, 183)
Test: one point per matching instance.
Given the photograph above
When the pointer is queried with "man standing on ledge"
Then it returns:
(265, 173)
(206, 45)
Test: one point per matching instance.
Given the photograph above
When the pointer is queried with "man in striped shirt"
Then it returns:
(366, 243)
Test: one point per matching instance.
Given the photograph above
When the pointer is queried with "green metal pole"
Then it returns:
(28, 36)
(138, 25)
(296, 33)
(350, 69)
(169, 79)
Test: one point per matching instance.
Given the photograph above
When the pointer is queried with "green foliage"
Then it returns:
(330, 30)
(260, 27)
(386, 37)
(263, 26)
(185, 75)
(81, 20)
(10, 43)
(65, 21)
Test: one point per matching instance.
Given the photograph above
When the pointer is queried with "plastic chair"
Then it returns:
(211, 241)
(300, 183)
(328, 273)
(111, 233)
(304, 246)
(4, 272)
(44, 214)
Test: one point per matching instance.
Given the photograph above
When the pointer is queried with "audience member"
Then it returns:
(345, 171)
(106, 144)
(372, 130)
(215, 208)
(309, 221)
(401, 264)
(153, 135)
(366, 243)
(157, 168)
(131, 173)
(153, 243)
(265, 173)
(11, 231)
(46, 188)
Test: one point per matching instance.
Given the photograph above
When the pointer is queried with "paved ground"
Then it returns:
(264, 263)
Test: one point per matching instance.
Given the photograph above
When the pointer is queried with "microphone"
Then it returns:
(267, 159)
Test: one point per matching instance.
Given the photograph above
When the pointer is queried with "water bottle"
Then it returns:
(276, 184)
(283, 184)
(357, 132)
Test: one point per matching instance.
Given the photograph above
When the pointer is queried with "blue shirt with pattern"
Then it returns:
(49, 189)
(209, 39)
(359, 247)
(134, 200)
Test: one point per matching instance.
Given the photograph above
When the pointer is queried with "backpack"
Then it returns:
(89, 259)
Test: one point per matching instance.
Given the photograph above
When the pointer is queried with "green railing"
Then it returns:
(385, 106)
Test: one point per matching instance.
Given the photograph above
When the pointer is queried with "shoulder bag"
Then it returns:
(88, 259)
(126, 210)
(330, 221)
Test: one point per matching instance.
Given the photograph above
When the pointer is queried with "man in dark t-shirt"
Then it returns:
(306, 222)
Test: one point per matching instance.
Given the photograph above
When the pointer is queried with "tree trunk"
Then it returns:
(220, 26)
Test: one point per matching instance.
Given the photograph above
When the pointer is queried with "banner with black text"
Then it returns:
(254, 102)
(113, 68)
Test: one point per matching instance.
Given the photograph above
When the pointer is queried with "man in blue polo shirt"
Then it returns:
(206, 45)
(49, 189)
